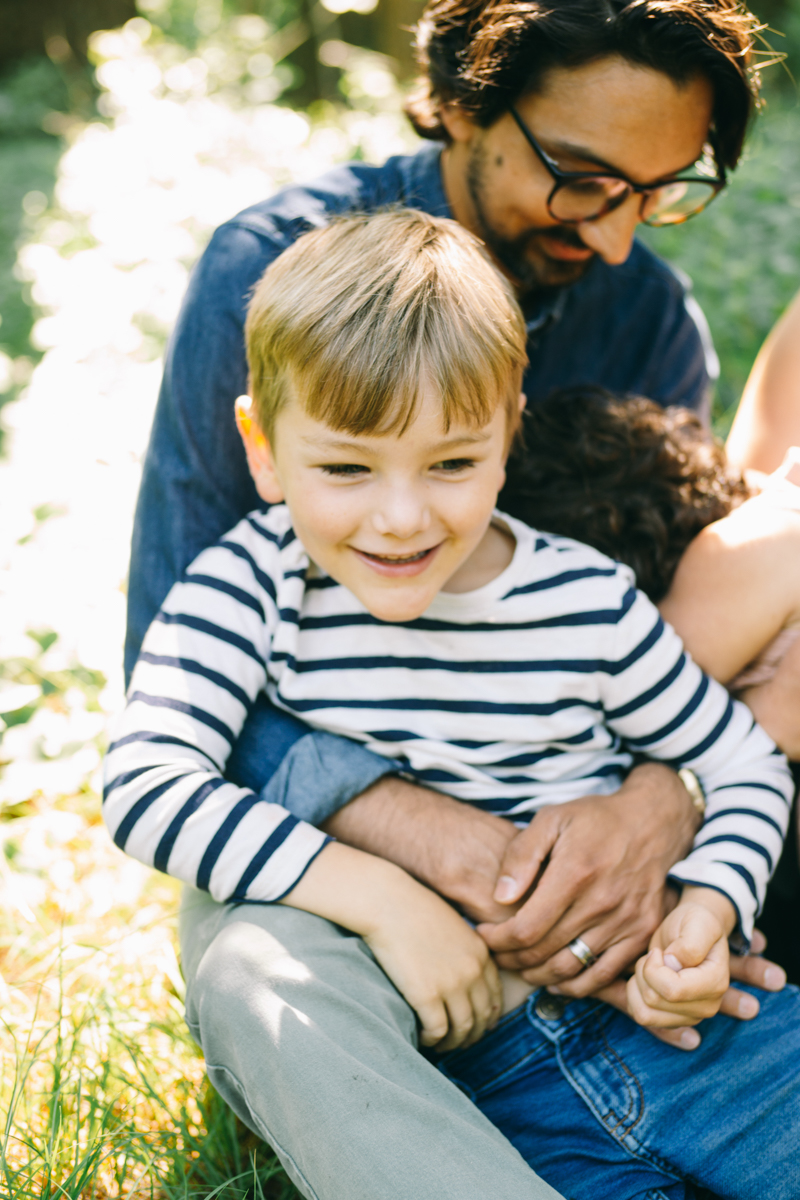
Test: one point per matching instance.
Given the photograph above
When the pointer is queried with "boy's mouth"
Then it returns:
(398, 564)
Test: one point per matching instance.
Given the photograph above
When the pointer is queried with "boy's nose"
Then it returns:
(401, 513)
(611, 236)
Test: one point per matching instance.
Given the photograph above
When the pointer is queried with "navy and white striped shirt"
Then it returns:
(532, 690)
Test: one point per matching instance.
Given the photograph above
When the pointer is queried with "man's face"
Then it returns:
(607, 115)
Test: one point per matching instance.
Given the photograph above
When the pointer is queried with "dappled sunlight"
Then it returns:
(87, 945)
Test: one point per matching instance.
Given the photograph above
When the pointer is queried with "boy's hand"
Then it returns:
(442, 967)
(430, 953)
(685, 975)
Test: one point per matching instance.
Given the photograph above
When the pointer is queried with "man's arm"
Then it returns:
(460, 852)
(608, 858)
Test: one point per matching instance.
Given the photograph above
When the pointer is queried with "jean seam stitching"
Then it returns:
(634, 1086)
(641, 1152)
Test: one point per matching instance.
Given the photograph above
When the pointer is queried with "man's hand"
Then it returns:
(452, 847)
(599, 865)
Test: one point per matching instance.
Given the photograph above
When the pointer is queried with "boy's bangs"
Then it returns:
(378, 389)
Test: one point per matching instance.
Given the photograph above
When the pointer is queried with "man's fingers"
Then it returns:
(683, 1038)
(602, 973)
(758, 972)
(529, 929)
(523, 858)
(738, 1004)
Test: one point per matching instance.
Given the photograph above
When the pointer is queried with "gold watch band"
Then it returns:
(694, 788)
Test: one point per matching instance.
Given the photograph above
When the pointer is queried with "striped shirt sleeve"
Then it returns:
(202, 664)
(660, 702)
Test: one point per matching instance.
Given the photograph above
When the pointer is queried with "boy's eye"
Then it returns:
(452, 465)
(344, 469)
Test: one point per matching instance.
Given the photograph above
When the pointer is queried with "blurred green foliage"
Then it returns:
(743, 253)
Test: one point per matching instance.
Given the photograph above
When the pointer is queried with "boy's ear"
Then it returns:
(260, 459)
(523, 400)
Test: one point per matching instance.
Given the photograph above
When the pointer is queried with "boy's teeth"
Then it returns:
(401, 557)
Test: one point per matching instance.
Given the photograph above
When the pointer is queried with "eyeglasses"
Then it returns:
(586, 195)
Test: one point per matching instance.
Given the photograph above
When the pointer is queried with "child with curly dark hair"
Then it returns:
(719, 554)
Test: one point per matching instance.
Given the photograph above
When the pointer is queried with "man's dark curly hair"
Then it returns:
(486, 54)
(622, 474)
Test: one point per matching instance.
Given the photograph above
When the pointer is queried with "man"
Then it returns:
(562, 129)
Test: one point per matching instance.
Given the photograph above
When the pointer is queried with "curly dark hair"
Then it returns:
(485, 54)
(622, 474)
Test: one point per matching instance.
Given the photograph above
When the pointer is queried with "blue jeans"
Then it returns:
(602, 1110)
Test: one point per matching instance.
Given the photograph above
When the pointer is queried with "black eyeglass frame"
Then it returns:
(563, 178)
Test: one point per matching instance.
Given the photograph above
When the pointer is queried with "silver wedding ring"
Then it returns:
(582, 952)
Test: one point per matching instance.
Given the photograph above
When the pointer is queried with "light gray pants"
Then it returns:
(314, 1049)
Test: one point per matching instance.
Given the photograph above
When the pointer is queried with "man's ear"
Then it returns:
(260, 458)
(457, 121)
(523, 400)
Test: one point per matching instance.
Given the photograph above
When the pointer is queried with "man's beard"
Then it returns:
(531, 273)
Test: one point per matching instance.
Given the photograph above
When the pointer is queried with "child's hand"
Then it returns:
(442, 967)
(683, 978)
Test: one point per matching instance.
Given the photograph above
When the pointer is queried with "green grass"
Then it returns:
(743, 253)
(102, 1089)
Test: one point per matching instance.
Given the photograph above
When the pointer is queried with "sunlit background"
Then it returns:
(121, 149)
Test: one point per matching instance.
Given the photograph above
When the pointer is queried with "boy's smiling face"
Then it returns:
(396, 518)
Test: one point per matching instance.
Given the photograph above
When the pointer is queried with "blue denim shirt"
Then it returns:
(630, 328)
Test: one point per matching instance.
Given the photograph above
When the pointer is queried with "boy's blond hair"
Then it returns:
(357, 318)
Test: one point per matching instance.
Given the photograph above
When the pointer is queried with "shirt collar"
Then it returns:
(422, 178)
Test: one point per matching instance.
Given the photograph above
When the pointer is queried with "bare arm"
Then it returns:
(453, 847)
(736, 587)
(768, 418)
(776, 704)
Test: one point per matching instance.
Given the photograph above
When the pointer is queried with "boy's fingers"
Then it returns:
(462, 1020)
(682, 1038)
(481, 1000)
(495, 986)
(692, 946)
(433, 1020)
(656, 1017)
(695, 991)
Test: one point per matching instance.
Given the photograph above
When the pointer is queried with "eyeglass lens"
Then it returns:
(583, 199)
